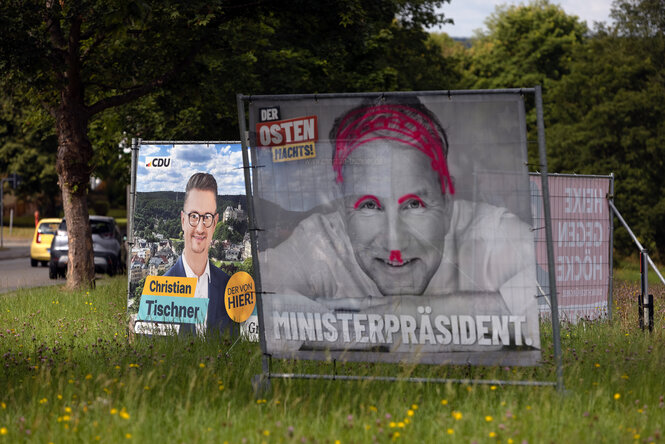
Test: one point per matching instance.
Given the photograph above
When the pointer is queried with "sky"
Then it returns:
(222, 160)
(470, 15)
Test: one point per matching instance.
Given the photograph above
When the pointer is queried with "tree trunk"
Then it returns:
(73, 167)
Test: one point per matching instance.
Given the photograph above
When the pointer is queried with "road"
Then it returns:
(17, 273)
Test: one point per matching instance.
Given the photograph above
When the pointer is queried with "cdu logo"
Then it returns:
(157, 162)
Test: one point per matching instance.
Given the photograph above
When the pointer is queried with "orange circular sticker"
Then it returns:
(240, 296)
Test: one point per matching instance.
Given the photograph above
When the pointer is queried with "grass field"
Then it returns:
(69, 373)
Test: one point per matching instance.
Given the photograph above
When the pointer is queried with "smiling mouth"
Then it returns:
(394, 263)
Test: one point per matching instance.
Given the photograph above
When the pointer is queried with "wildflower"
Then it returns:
(221, 387)
(444, 402)
(597, 365)
(337, 441)
(617, 396)
(492, 387)
(3, 431)
(372, 408)
(88, 376)
(43, 401)
(59, 396)
(492, 435)
(124, 414)
(3, 405)
(414, 406)
(128, 435)
(450, 431)
(510, 441)
(68, 409)
(400, 425)
(396, 435)
(624, 376)
(201, 365)
(114, 411)
(528, 407)
(409, 412)
(488, 418)
(266, 432)
(457, 415)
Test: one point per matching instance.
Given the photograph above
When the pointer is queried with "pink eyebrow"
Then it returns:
(364, 198)
(411, 196)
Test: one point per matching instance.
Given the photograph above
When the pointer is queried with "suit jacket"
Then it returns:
(217, 320)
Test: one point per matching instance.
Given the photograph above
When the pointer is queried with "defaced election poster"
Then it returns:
(190, 235)
(395, 228)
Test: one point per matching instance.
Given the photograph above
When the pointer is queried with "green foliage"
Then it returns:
(607, 115)
(525, 45)
(70, 373)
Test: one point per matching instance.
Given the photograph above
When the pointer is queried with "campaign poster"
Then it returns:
(395, 228)
(582, 241)
(190, 234)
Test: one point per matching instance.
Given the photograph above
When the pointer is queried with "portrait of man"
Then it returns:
(398, 240)
(199, 218)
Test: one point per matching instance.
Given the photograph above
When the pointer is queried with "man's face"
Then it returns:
(396, 215)
(198, 238)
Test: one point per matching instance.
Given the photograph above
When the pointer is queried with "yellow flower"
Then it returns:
(457, 415)
(597, 365)
(492, 387)
(43, 401)
(59, 396)
(617, 395)
(202, 365)
(3, 405)
(337, 441)
(624, 376)
(221, 387)
(510, 441)
(396, 435)
(3, 431)
(528, 407)
(392, 424)
(124, 414)
(66, 418)
(492, 435)
(488, 418)
(414, 406)
(128, 435)
(68, 409)
(400, 425)
(114, 411)
(88, 376)
(409, 412)
(266, 432)
(450, 431)
(372, 408)
(636, 436)
(444, 402)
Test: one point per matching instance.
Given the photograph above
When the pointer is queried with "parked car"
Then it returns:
(108, 246)
(40, 248)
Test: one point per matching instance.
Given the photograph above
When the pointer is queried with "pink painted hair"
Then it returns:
(410, 124)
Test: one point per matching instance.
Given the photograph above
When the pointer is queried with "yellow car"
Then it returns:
(40, 249)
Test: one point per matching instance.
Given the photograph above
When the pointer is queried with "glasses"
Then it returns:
(195, 218)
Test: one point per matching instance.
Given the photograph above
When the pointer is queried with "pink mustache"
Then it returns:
(396, 256)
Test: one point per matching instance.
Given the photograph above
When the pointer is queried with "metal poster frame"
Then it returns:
(609, 198)
(262, 381)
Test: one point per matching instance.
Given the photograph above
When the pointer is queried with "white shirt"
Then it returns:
(201, 289)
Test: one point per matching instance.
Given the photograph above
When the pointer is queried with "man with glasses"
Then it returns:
(199, 218)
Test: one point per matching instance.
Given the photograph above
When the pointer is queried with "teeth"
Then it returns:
(396, 264)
